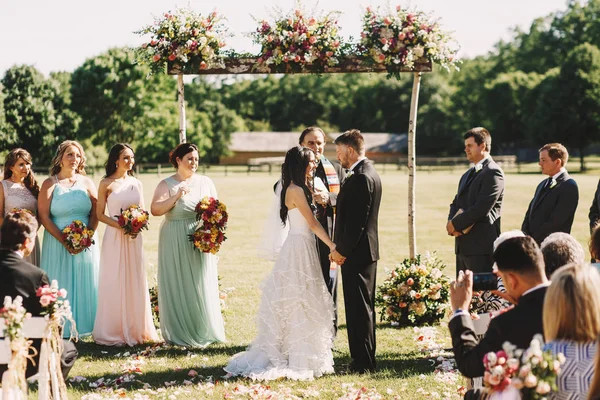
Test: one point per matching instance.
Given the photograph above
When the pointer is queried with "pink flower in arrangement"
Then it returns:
(335, 44)
(363, 34)
(221, 44)
(298, 13)
(402, 304)
(409, 281)
(311, 22)
(269, 38)
(401, 36)
(417, 296)
(203, 65)
(172, 57)
(398, 8)
(369, 9)
(387, 21)
(329, 53)
(156, 58)
(312, 40)
(410, 18)
(423, 27)
(285, 59)
(297, 58)
(260, 60)
(45, 301)
(383, 41)
(153, 42)
(290, 21)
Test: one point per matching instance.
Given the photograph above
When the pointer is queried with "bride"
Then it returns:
(295, 317)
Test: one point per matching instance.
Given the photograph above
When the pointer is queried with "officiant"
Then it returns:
(327, 180)
(474, 217)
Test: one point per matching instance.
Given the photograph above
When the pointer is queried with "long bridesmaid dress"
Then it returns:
(188, 287)
(78, 273)
(18, 196)
(123, 315)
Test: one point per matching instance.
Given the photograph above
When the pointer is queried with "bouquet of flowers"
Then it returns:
(399, 38)
(14, 315)
(294, 40)
(538, 372)
(133, 220)
(415, 293)
(22, 210)
(531, 373)
(53, 300)
(77, 236)
(184, 36)
(212, 216)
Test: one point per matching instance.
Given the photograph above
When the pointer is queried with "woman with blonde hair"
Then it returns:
(69, 195)
(19, 189)
(571, 318)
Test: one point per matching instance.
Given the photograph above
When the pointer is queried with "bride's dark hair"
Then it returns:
(293, 170)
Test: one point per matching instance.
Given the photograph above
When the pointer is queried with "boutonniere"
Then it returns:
(553, 183)
(349, 174)
(478, 167)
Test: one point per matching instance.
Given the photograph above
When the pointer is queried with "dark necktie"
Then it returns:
(548, 183)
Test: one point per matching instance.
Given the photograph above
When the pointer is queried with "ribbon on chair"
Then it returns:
(14, 384)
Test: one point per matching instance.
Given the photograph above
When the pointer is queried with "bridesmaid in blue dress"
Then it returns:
(69, 195)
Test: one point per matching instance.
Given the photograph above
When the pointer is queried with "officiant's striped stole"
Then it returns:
(332, 178)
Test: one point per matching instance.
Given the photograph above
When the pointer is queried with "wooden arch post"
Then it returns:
(236, 66)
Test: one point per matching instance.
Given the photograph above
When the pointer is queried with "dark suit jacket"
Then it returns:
(517, 326)
(357, 213)
(480, 197)
(552, 210)
(594, 214)
(326, 218)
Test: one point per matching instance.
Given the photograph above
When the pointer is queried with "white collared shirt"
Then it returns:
(19, 253)
(541, 285)
(356, 163)
(559, 173)
(479, 165)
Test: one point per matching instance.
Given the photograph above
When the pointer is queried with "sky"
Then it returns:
(59, 35)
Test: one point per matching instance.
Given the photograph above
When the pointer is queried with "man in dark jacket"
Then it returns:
(21, 278)
(521, 267)
(553, 206)
(474, 216)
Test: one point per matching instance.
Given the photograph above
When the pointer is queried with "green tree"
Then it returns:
(37, 113)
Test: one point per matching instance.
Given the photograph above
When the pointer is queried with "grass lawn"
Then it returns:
(404, 371)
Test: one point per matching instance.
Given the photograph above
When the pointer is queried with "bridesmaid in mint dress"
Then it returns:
(69, 195)
(19, 189)
(188, 287)
(124, 315)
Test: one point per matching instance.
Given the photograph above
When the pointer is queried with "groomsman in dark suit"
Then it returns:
(474, 217)
(328, 177)
(357, 246)
(594, 214)
(555, 201)
(521, 267)
(20, 278)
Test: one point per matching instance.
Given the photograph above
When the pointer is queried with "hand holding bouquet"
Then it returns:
(212, 217)
(77, 237)
(133, 220)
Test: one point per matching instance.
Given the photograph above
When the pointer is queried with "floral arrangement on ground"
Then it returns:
(416, 292)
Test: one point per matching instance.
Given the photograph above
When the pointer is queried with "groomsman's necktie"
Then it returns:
(548, 183)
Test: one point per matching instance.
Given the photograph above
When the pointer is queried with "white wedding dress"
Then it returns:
(295, 317)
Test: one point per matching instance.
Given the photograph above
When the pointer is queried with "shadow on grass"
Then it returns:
(88, 349)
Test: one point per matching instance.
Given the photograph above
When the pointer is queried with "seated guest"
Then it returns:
(21, 278)
(521, 266)
(594, 246)
(560, 249)
(572, 325)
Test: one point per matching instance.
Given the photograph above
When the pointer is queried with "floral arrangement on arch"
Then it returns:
(402, 37)
(529, 374)
(294, 40)
(416, 292)
(185, 36)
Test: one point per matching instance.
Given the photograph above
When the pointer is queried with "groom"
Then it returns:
(357, 246)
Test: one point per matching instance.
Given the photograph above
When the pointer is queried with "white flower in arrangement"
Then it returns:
(412, 293)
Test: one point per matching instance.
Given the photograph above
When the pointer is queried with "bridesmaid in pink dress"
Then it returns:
(123, 315)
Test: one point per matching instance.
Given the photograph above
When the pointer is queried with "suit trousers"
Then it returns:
(330, 277)
(475, 263)
(359, 299)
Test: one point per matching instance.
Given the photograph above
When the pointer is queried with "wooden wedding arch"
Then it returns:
(237, 66)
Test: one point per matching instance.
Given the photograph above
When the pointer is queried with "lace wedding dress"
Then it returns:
(295, 317)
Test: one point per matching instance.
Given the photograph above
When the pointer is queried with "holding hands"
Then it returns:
(321, 197)
(336, 257)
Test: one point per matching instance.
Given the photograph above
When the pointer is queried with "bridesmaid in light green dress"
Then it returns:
(188, 287)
